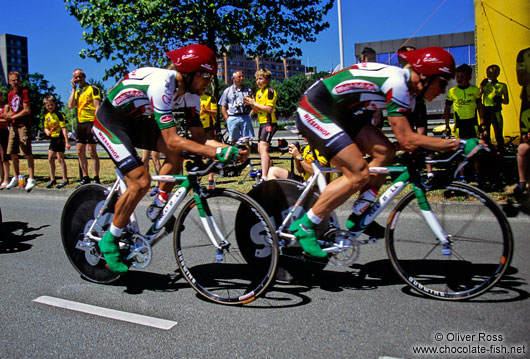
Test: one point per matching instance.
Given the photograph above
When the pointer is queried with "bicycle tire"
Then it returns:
(481, 250)
(238, 278)
(78, 213)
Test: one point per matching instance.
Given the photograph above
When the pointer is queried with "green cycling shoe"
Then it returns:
(111, 252)
(305, 235)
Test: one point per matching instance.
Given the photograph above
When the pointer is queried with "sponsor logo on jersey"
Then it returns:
(126, 96)
(166, 119)
(311, 121)
(108, 145)
(166, 99)
(354, 86)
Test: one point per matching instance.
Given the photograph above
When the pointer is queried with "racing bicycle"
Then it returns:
(447, 240)
(225, 245)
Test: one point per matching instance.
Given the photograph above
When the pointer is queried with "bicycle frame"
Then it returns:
(403, 180)
(158, 229)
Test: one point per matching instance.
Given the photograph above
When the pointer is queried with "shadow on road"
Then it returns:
(15, 234)
(374, 275)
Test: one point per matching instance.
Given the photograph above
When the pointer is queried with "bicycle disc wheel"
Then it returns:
(79, 212)
(245, 266)
(277, 197)
(479, 253)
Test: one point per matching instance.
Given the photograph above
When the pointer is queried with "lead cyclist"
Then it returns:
(138, 112)
(335, 115)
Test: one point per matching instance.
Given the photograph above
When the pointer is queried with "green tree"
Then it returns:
(291, 90)
(138, 33)
(38, 87)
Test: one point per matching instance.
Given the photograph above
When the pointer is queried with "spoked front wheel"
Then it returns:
(479, 251)
(244, 262)
(79, 213)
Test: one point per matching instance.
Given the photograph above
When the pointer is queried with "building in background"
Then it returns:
(13, 55)
(461, 45)
(280, 70)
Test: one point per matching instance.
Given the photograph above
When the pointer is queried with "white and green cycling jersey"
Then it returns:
(152, 91)
(334, 109)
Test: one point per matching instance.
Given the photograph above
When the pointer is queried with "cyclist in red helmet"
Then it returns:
(138, 113)
(335, 113)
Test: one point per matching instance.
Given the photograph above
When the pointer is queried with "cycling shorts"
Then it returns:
(84, 133)
(120, 135)
(266, 131)
(328, 127)
(466, 128)
(57, 144)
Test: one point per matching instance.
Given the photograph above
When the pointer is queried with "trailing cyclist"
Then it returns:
(331, 116)
(138, 112)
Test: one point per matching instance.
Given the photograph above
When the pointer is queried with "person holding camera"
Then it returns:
(302, 162)
(235, 112)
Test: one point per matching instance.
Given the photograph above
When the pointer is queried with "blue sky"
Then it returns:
(54, 37)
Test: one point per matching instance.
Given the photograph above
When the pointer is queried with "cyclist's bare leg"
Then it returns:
(374, 143)
(355, 176)
(138, 182)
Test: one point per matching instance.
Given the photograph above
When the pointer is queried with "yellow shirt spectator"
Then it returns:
(309, 156)
(54, 121)
(207, 103)
(86, 111)
(267, 97)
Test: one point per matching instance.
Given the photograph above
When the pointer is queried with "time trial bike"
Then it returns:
(219, 255)
(447, 240)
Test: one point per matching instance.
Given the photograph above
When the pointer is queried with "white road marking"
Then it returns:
(107, 313)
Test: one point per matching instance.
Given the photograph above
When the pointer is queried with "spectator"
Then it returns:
(18, 115)
(55, 128)
(4, 138)
(465, 100)
(87, 99)
(302, 163)
(234, 110)
(494, 94)
(208, 115)
(523, 152)
(155, 157)
(418, 117)
(264, 104)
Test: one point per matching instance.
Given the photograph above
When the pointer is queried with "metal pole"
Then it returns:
(341, 45)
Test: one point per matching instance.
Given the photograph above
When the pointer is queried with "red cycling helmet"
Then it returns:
(431, 61)
(193, 58)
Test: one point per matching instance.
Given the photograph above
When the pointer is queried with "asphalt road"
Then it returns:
(338, 315)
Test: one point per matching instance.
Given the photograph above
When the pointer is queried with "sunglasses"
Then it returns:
(442, 82)
(205, 75)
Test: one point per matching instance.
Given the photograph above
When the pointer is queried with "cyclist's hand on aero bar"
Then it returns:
(227, 154)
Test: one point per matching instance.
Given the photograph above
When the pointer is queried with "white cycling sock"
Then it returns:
(312, 217)
(115, 231)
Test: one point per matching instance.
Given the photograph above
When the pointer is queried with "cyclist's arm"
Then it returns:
(410, 140)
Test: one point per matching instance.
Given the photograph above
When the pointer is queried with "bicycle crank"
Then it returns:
(342, 247)
(140, 252)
